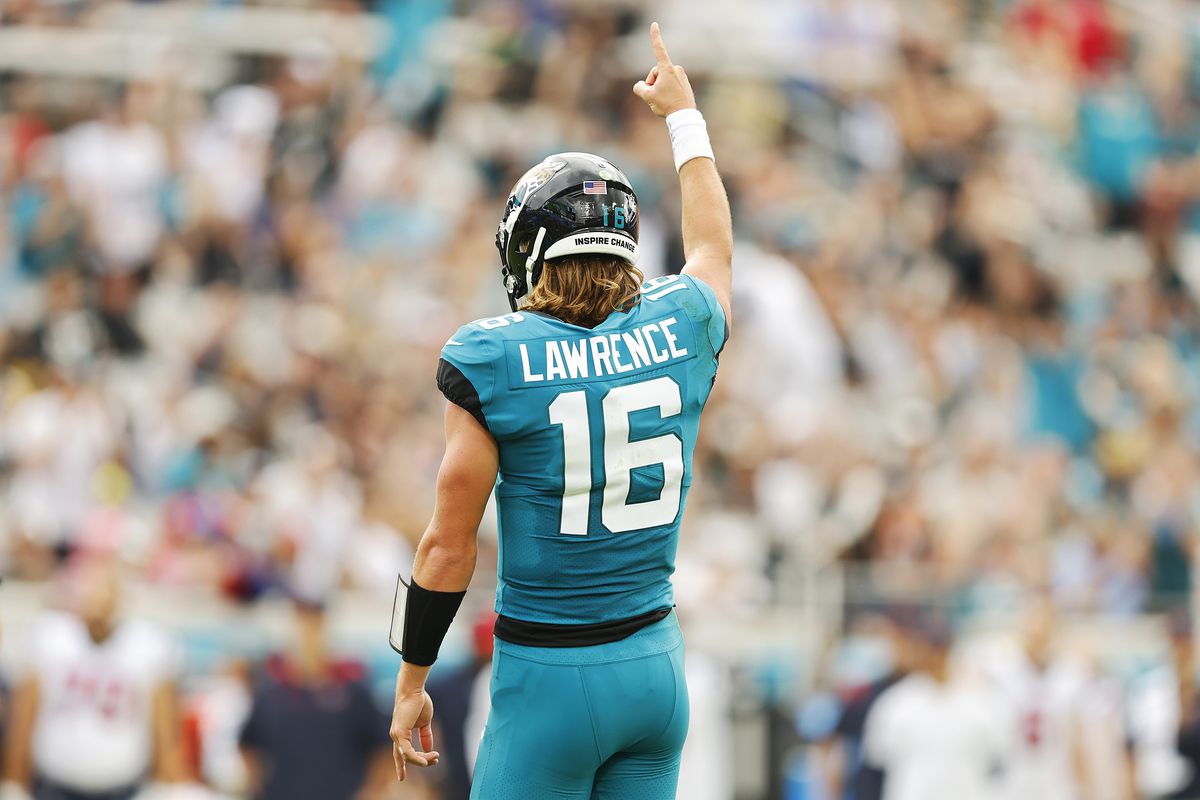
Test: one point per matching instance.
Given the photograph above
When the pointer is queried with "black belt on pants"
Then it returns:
(45, 790)
(550, 634)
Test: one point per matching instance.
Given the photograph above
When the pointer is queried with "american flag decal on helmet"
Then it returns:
(595, 187)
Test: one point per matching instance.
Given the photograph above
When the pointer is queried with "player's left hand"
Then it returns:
(412, 712)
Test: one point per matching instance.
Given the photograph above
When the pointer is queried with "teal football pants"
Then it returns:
(593, 723)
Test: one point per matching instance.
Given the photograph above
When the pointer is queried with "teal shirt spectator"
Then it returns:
(409, 23)
(1055, 408)
(595, 429)
(1118, 139)
(58, 242)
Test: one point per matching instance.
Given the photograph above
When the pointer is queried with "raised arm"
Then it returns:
(707, 224)
(443, 568)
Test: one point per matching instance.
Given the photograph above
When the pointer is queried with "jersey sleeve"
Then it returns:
(466, 372)
(704, 307)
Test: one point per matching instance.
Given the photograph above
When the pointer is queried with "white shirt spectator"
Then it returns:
(93, 731)
(1047, 704)
(1154, 718)
(704, 773)
(228, 155)
(57, 439)
(316, 508)
(116, 173)
(935, 741)
(787, 348)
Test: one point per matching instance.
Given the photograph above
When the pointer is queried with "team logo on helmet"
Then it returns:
(536, 178)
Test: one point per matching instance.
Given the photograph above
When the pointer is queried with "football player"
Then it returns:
(585, 404)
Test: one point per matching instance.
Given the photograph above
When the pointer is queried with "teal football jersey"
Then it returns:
(595, 428)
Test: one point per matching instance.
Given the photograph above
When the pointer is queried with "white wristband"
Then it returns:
(689, 136)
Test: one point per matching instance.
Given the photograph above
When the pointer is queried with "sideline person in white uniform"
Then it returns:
(935, 737)
(94, 716)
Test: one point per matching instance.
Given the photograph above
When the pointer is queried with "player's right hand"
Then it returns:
(666, 88)
(413, 712)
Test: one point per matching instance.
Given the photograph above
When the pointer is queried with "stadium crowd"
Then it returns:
(967, 361)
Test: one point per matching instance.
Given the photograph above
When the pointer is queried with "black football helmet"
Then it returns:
(569, 204)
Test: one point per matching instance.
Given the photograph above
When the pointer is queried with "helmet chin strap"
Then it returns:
(531, 262)
(510, 287)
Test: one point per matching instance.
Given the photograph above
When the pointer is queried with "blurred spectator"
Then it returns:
(115, 168)
(461, 698)
(314, 732)
(1157, 701)
(1187, 739)
(1164, 726)
(58, 437)
(1042, 691)
(94, 716)
(933, 735)
(848, 776)
(704, 774)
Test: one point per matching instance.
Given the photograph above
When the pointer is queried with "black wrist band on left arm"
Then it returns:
(427, 617)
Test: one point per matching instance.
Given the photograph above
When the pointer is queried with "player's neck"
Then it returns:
(100, 631)
(312, 663)
(939, 671)
(1038, 659)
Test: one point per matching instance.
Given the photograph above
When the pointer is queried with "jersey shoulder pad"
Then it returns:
(470, 345)
(471, 360)
(695, 298)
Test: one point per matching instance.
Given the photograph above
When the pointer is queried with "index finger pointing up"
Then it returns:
(660, 47)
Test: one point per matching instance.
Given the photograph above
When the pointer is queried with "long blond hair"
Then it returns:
(583, 290)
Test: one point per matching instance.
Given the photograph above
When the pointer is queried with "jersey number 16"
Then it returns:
(621, 456)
